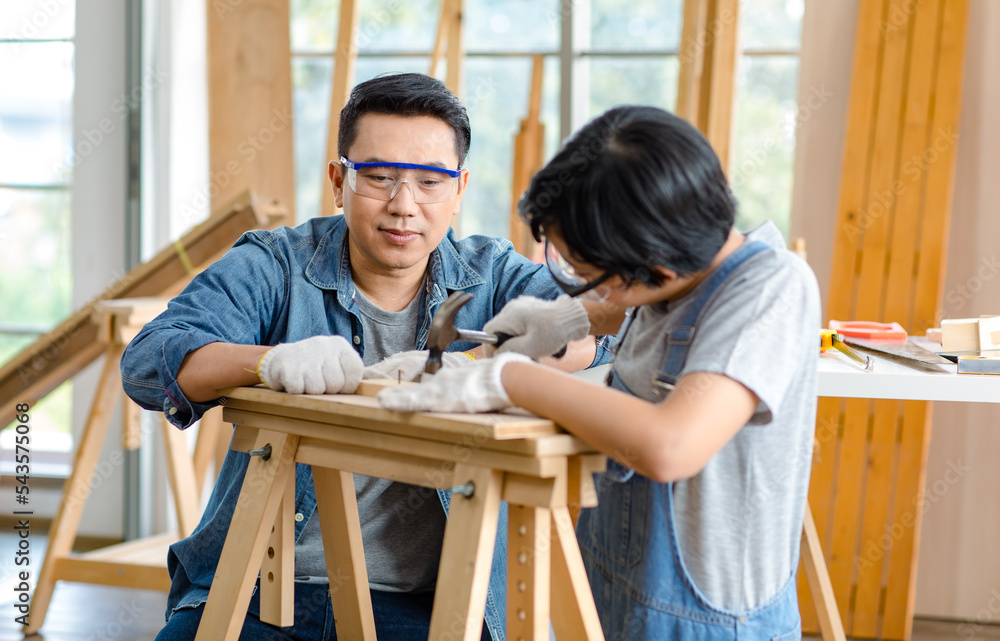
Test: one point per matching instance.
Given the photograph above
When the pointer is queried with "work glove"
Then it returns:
(407, 366)
(473, 388)
(317, 365)
(539, 327)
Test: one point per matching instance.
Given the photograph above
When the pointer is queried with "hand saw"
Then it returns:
(889, 341)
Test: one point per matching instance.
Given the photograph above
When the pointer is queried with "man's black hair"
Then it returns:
(636, 188)
(404, 94)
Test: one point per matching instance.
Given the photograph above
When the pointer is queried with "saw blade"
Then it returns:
(906, 354)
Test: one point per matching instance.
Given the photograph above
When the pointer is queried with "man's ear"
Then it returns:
(463, 182)
(337, 182)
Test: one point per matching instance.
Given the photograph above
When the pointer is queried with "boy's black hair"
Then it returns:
(636, 188)
(404, 94)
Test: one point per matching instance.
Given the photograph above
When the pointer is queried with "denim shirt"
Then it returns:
(287, 285)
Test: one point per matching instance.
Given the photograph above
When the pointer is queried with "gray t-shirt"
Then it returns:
(402, 525)
(740, 519)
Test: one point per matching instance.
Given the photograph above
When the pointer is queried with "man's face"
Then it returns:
(386, 236)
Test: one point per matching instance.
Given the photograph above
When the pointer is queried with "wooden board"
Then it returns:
(76, 342)
(888, 260)
(343, 78)
(250, 100)
(529, 151)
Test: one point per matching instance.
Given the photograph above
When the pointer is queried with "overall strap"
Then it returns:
(679, 338)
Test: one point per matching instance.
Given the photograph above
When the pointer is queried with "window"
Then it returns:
(621, 51)
(36, 170)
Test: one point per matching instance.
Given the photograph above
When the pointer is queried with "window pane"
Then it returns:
(621, 80)
(313, 25)
(519, 25)
(311, 83)
(766, 113)
(37, 19)
(496, 96)
(636, 25)
(36, 100)
(771, 24)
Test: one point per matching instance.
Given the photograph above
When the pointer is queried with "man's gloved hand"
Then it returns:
(407, 366)
(317, 365)
(539, 327)
(473, 388)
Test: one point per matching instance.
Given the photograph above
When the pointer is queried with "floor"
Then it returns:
(82, 612)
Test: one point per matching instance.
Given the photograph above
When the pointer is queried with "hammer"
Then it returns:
(443, 332)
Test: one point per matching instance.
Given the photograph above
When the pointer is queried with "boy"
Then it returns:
(708, 420)
(335, 295)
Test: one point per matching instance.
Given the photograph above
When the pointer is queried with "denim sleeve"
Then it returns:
(516, 276)
(235, 300)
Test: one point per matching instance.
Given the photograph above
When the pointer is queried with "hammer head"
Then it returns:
(443, 332)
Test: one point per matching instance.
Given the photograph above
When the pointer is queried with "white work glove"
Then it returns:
(473, 388)
(317, 365)
(407, 366)
(539, 327)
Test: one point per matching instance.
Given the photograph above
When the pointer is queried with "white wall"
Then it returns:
(98, 221)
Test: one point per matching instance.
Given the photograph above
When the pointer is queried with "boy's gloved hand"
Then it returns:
(473, 388)
(539, 327)
(407, 366)
(317, 365)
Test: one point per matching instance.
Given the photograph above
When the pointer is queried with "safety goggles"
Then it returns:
(572, 283)
(382, 180)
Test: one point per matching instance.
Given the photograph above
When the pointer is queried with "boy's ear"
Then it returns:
(463, 182)
(337, 181)
(668, 275)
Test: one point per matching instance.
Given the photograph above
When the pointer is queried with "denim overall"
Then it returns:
(630, 542)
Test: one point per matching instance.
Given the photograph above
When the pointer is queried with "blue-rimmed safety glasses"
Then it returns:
(572, 283)
(382, 180)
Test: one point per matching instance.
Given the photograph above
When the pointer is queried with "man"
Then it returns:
(305, 310)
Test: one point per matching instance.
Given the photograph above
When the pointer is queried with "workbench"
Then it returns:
(544, 474)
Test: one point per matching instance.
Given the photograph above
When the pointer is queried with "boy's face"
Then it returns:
(619, 293)
(386, 236)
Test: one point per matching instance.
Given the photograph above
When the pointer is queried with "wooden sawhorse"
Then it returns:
(134, 564)
(542, 473)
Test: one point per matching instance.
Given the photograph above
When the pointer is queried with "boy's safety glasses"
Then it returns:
(572, 283)
(382, 180)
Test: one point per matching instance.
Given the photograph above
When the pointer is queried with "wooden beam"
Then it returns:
(250, 100)
(55, 357)
(456, 51)
(343, 79)
(529, 152)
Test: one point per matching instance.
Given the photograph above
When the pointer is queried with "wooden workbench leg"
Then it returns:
(277, 569)
(181, 476)
(466, 556)
(351, 598)
(831, 628)
(256, 509)
(574, 615)
(212, 439)
(62, 533)
(529, 540)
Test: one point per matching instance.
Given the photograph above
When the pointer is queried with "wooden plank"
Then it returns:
(528, 553)
(210, 429)
(900, 588)
(250, 101)
(454, 74)
(519, 489)
(466, 556)
(277, 568)
(691, 59)
(138, 576)
(77, 488)
(828, 616)
(403, 468)
(345, 553)
(482, 426)
(249, 530)
(152, 546)
(850, 488)
(181, 476)
(76, 342)
(851, 216)
(721, 54)
(440, 39)
(574, 615)
(343, 79)
(529, 151)
(331, 434)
